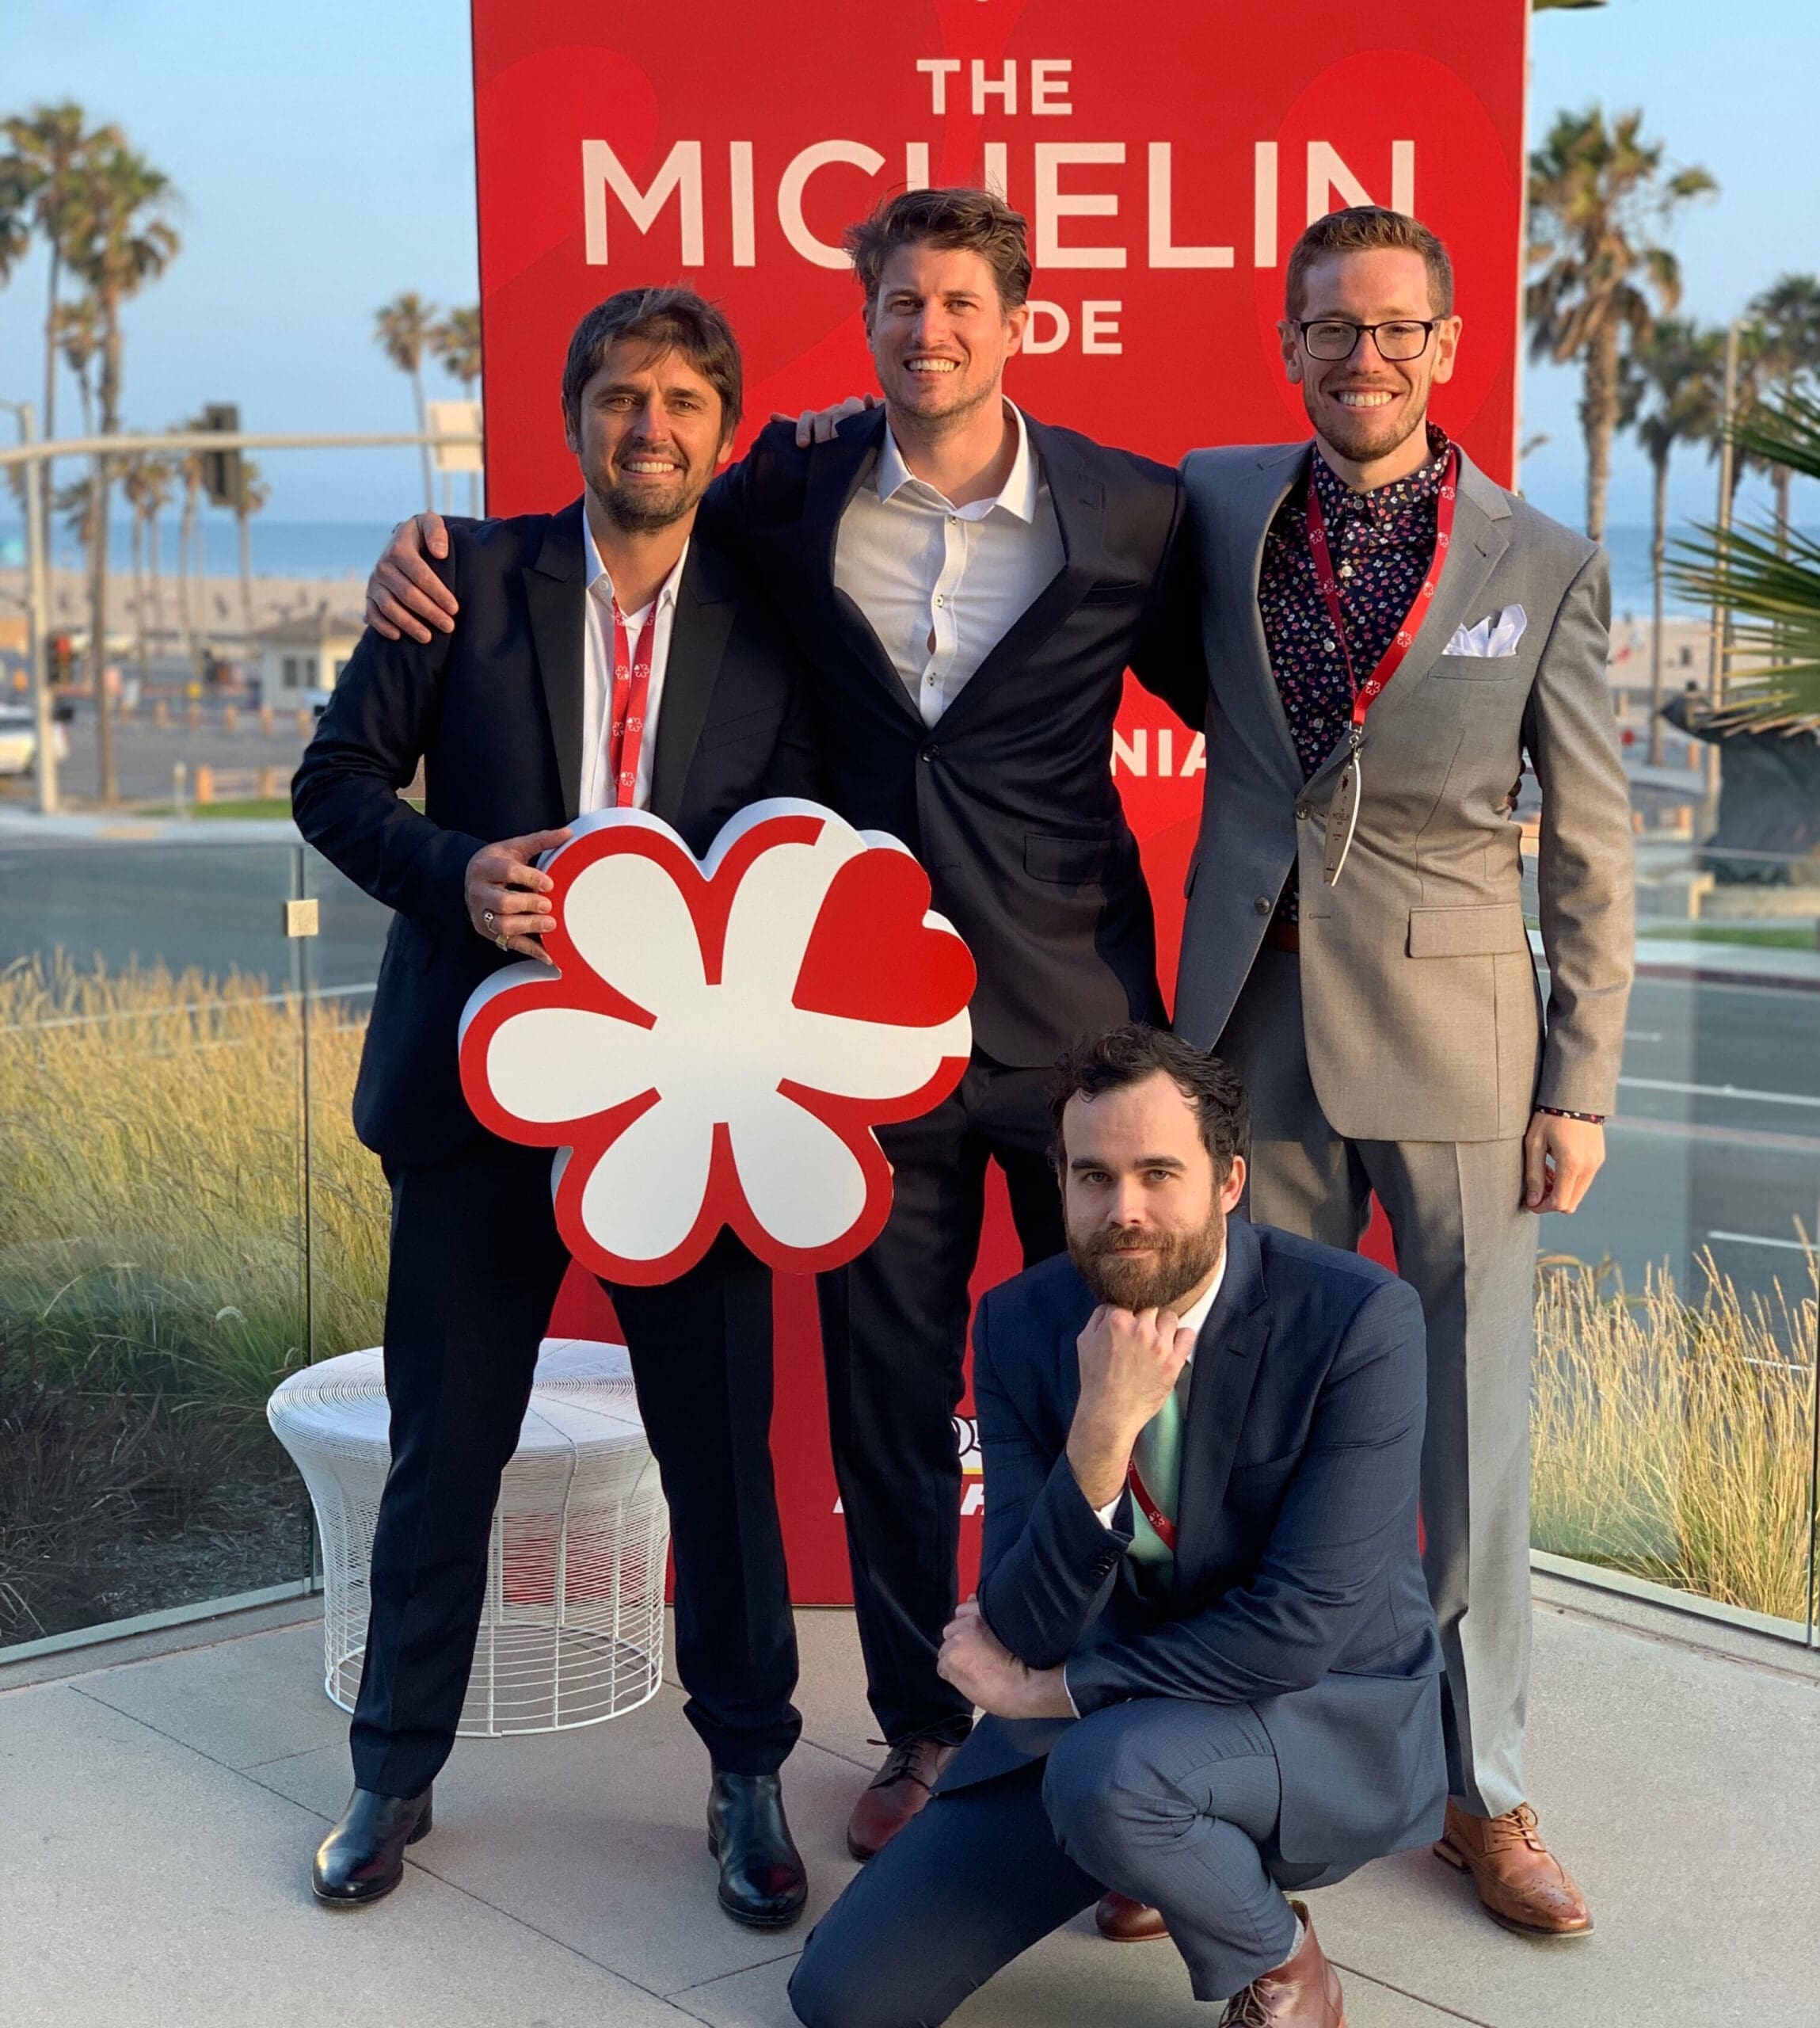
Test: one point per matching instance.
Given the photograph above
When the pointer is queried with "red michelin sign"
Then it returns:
(1166, 154)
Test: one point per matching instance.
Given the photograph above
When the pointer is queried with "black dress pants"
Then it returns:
(476, 1262)
(893, 1336)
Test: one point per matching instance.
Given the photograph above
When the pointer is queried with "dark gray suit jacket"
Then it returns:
(1297, 1586)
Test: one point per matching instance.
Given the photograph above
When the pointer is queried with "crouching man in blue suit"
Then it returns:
(1202, 1639)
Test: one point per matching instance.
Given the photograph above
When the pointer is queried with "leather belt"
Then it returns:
(1282, 936)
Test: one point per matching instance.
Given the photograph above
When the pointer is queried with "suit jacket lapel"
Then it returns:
(706, 602)
(1277, 470)
(836, 470)
(1227, 1356)
(1079, 499)
(554, 590)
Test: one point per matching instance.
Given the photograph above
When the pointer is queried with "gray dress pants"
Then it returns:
(1467, 1246)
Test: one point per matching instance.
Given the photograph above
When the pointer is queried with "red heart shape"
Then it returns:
(872, 958)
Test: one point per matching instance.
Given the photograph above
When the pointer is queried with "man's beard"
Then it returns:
(637, 512)
(1351, 435)
(1153, 1280)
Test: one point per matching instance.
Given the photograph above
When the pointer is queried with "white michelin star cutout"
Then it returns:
(718, 1039)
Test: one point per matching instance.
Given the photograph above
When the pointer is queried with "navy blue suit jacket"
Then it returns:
(1297, 1588)
(494, 712)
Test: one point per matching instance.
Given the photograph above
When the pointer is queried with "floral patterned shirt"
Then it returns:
(1382, 542)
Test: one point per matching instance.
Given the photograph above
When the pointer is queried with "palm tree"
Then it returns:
(76, 329)
(403, 328)
(1674, 394)
(254, 494)
(1787, 316)
(146, 482)
(1767, 581)
(1597, 196)
(188, 467)
(456, 342)
(120, 241)
(15, 214)
(52, 148)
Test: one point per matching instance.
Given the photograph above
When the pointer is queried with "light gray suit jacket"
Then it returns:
(1420, 1006)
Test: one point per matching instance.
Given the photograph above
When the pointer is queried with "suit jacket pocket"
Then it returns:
(1482, 932)
(1077, 856)
(1114, 591)
(1477, 668)
(748, 725)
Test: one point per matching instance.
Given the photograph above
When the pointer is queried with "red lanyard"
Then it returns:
(1152, 1513)
(631, 695)
(1366, 693)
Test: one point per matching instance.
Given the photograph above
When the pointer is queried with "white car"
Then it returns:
(19, 741)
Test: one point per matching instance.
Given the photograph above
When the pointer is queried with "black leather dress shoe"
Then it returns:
(364, 1856)
(763, 1883)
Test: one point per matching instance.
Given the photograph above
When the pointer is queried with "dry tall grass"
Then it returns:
(1674, 1439)
(151, 1270)
(151, 1295)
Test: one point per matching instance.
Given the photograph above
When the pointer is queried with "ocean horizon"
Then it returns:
(330, 549)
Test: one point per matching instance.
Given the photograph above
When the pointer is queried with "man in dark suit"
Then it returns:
(968, 587)
(1202, 1637)
(611, 654)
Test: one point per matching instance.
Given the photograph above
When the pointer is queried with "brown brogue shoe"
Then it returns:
(1120, 1919)
(1521, 1882)
(899, 1790)
(1305, 1993)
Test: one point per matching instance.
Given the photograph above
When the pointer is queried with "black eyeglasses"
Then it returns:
(1330, 339)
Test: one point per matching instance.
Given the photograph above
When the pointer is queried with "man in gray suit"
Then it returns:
(1388, 635)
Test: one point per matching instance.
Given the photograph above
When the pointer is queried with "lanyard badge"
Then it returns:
(1343, 811)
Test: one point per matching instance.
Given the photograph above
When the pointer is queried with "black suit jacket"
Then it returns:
(1297, 1588)
(494, 711)
(1008, 801)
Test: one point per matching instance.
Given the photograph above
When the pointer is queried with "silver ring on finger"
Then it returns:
(486, 916)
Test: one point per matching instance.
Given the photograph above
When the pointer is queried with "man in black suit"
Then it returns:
(612, 653)
(967, 586)
(1202, 1634)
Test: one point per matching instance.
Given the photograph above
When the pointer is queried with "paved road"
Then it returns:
(145, 755)
(1717, 1145)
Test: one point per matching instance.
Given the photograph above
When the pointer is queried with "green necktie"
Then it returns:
(1157, 1454)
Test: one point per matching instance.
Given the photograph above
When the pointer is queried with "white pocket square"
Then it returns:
(1497, 634)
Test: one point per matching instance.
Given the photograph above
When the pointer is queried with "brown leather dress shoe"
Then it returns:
(1522, 1883)
(1305, 1993)
(899, 1790)
(1120, 1919)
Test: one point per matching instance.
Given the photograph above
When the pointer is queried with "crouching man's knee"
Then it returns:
(1091, 1809)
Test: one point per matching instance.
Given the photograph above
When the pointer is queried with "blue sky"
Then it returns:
(325, 161)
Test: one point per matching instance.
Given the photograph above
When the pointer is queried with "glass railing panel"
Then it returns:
(349, 1203)
(1675, 1388)
(151, 1272)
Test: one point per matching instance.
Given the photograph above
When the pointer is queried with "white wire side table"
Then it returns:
(572, 1631)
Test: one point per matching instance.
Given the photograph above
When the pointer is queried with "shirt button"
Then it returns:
(1262, 905)
(1301, 813)
(939, 599)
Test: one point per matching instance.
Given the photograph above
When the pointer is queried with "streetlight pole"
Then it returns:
(38, 610)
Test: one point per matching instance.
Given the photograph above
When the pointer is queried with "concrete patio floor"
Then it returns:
(159, 1799)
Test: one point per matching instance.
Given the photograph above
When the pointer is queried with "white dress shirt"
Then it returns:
(1192, 1319)
(924, 571)
(597, 672)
